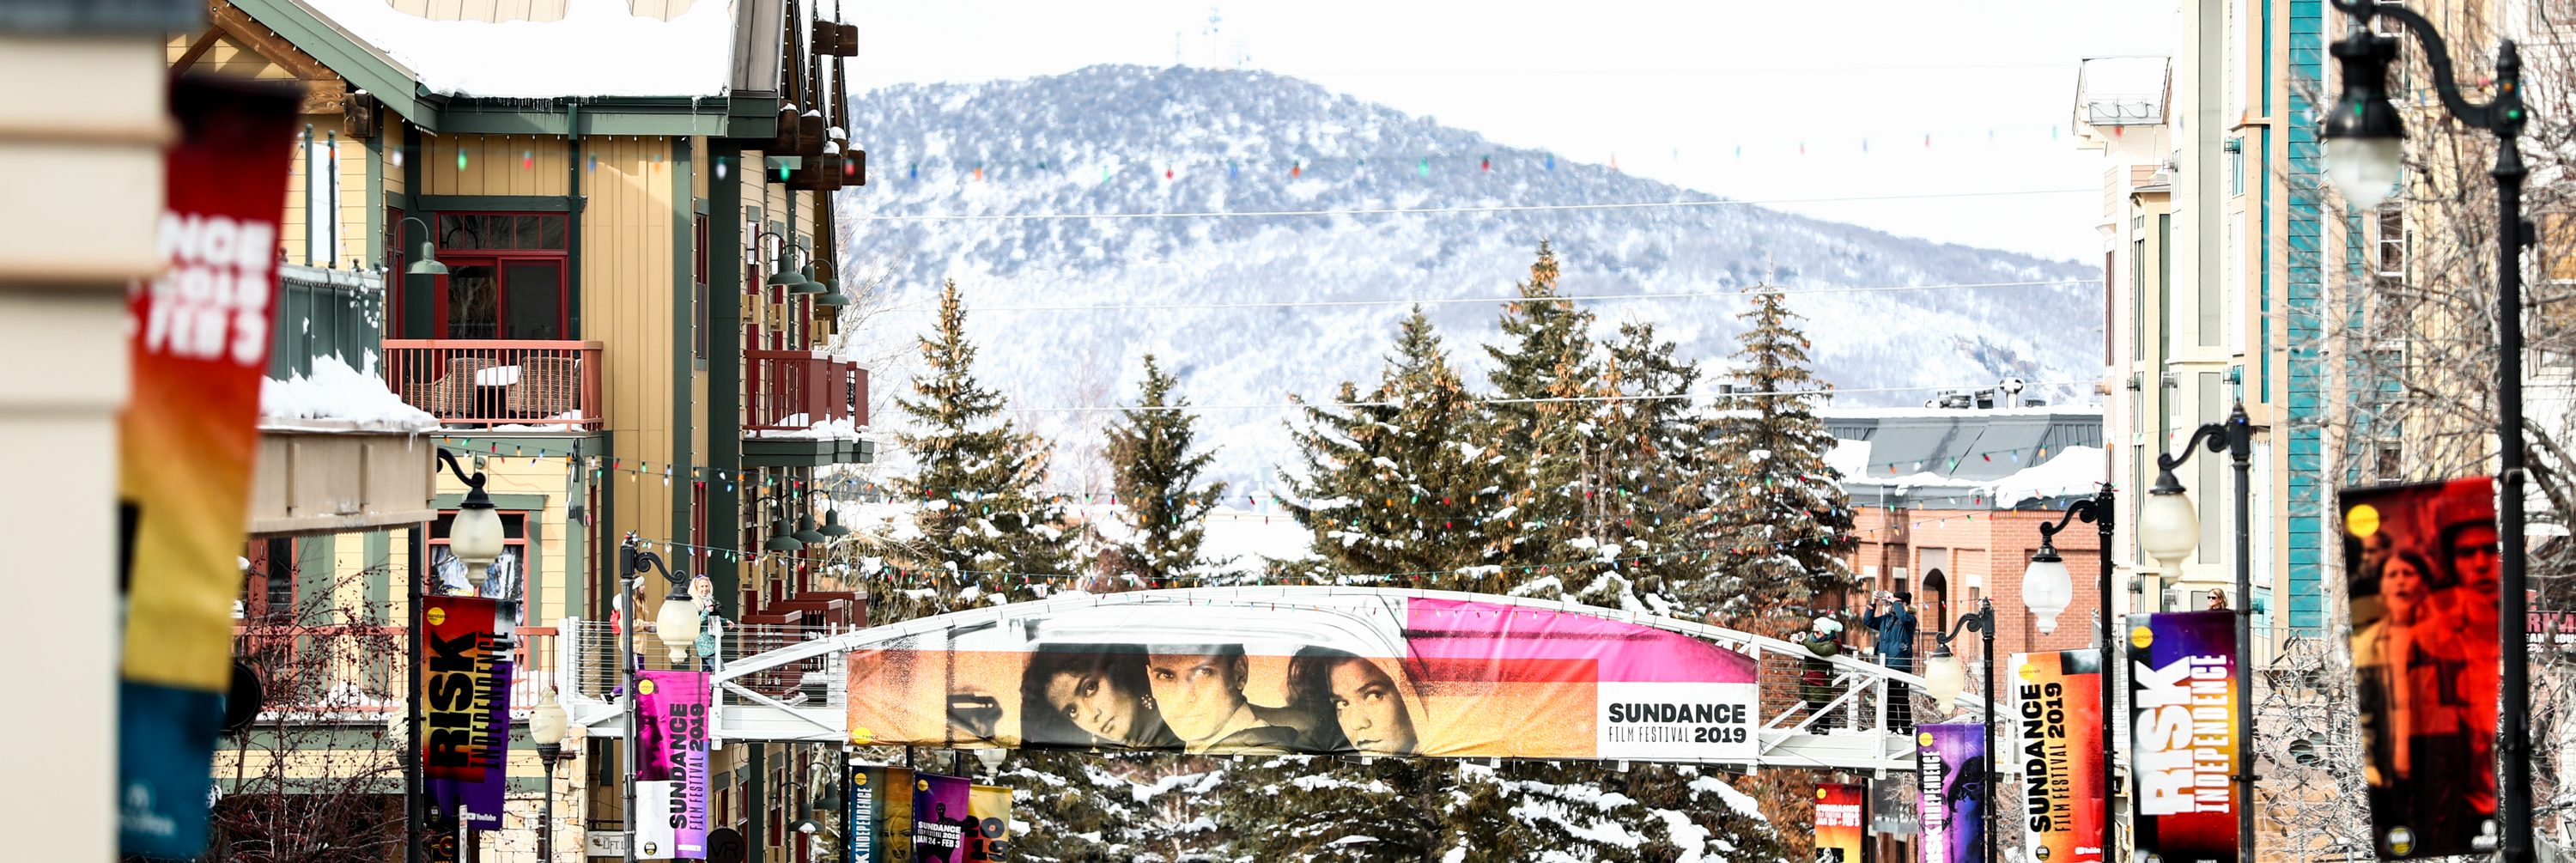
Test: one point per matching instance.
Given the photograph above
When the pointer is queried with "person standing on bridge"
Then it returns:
(1823, 641)
(1895, 649)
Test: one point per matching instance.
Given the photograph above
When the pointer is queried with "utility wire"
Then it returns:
(1441, 301)
(1635, 398)
(1416, 211)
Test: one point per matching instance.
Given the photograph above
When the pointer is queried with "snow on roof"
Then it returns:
(2075, 470)
(1849, 458)
(341, 395)
(598, 48)
(1955, 413)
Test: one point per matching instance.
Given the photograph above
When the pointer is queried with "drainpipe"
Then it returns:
(572, 220)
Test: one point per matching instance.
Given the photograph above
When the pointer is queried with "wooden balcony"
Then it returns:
(790, 394)
(512, 385)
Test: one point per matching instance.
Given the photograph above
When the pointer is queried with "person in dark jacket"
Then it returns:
(1895, 649)
(1823, 641)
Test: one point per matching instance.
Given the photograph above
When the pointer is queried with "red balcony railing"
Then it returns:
(314, 670)
(787, 391)
(546, 385)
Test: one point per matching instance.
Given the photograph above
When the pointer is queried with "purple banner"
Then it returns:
(671, 765)
(2183, 686)
(941, 818)
(465, 719)
(1950, 760)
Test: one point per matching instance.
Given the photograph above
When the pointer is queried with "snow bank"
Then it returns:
(599, 48)
(339, 393)
(844, 428)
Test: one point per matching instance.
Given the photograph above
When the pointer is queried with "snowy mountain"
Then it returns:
(1136, 140)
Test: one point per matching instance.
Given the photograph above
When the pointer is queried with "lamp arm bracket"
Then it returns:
(474, 479)
(2212, 436)
(2495, 114)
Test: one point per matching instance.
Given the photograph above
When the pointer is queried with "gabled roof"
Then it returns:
(599, 48)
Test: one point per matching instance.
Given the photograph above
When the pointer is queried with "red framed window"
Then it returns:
(268, 587)
(508, 576)
(396, 256)
(506, 277)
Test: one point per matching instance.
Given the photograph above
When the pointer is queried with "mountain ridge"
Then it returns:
(1025, 156)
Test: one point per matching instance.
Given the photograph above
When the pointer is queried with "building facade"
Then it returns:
(630, 336)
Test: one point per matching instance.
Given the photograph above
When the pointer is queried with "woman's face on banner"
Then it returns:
(1370, 709)
(1195, 692)
(2402, 586)
(1094, 703)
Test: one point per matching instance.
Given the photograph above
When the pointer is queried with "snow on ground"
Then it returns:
(598, 48)
(336, 392)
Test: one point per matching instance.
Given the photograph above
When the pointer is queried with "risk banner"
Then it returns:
(2183, 686)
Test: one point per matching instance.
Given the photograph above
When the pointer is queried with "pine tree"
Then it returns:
(1157, 477)
(1782, 520)
(1395, 483)
(982, 518)
(1645, 479)
(1546, 355)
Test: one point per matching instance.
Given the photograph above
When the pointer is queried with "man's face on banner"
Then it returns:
(1196, 692)
(1370, 709)
(2472, 553)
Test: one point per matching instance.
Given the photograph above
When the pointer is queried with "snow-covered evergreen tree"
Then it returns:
(1651, 512)
(1395, 483)
(1782, 519)
(1157, 477)
(1546, 356)
(978, 477)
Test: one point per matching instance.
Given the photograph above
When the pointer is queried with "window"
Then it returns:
(505, 277)
(268, 587)
(2389, 461)
(396, 255)
(2392, 240)
(507, 577)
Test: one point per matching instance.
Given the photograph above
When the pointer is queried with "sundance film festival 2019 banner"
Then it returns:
(1950, 762)
(198, 347)
(2421, 570)
(465, 708)
(880, 815)
(671, 764)
(1838, 822)
(943, 818)
(1360, 672)
(991, 806)
(2059, 697)
(2183, 686)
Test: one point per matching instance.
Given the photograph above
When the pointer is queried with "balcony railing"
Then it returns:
(317, 672)
(796, 391)
(512, 385)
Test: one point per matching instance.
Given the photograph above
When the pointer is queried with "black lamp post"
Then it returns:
(2047, 589)
(1942, 677)
(2366, 125)
(546, 727)
(636, 562)
(2169, 529)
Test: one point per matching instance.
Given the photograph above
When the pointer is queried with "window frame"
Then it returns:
(499, 258)
(523, 544)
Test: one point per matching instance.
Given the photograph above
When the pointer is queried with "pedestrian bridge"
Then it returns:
(793, 688)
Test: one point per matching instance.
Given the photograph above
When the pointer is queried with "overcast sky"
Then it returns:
(1674, 90)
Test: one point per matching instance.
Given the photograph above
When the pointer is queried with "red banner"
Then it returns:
(2422, 575)
(1838, 822)
(198, 347)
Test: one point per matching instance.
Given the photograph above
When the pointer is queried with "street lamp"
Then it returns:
(2169, 529)
(2047, 588)
(1944, 677)
(677, 627)
(546, 728)
(2365, 57)
(474, 536)
(426, 264)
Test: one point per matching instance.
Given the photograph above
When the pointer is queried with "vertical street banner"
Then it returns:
(991, 806)
(2183, 686)
(2059, 696)
(880, 815)
(1950, 765)
(1838, 822)
(465, 709)
(942, 818)
(197, 345)
(671, 765)
(2421, 571)
(1892, 805)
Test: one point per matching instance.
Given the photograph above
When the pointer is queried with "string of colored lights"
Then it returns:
(1454, 210)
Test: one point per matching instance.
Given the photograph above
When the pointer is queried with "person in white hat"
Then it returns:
(1823, 641)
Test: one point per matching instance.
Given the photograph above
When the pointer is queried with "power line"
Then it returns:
(1418, 211)
(1636, 398)
(1437, 301)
